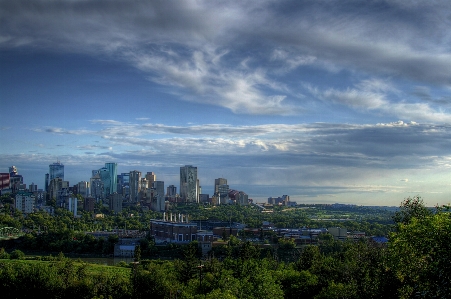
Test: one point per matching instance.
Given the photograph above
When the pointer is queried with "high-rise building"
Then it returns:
(83, 189)
(105, 177)
(171, 191)
(135, 185)
(115, 202)
(189, 184)
(96, 188)
(16, 183)
(58, 189)
(89, 204)
(151, 177)
(223, 193)
(218, 182)
(72, 204)
(32, 187)
(123, 184)
(56, 170)
(158, 186)
(112, 169)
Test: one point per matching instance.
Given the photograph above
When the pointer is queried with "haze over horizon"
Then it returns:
(326, 101)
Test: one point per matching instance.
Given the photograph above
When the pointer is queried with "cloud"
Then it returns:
(62, 131)
(381, 97)
(237, 54)
(397, 144)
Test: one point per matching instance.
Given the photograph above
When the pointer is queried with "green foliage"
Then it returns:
(420, 256)
(4, 254)
(415, 263)
(17, 255)
(411, 208)
(286, 243)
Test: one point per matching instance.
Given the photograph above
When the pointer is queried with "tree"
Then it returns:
(411, 208)
(420, 255)
(17, 255)
(137, 253)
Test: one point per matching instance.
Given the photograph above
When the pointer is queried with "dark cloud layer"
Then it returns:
(223, 53)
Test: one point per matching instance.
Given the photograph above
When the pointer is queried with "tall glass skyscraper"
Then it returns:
(189, 184)
(112, 168)
(135, 185)
(56, 170)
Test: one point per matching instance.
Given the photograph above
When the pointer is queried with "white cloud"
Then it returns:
(380, 96)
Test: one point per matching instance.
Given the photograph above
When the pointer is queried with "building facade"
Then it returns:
(173, 231)
(25, 202)
(56, 170)
(115, 202)
(159, 199)
(135, 185)
(83, 189)
(112, 170)
(189, 184)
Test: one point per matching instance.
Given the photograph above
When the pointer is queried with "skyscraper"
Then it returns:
(112, 168)
(135, 185)
(123, 186)
(151, 177)
(56, 170)
(171, 191)
(105, 177)
(219, 182)
(189, 184)
(158, 186)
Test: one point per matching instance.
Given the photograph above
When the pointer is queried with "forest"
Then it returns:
(415, 263)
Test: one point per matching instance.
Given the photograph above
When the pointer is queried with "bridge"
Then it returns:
(7, 233)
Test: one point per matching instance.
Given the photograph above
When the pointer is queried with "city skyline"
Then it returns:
(326, 101)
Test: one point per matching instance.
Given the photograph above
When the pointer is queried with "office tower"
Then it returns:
(158, 186)
(72, 204)
(58, 190)
(123, 184)
(218, 182)
(223, 192)
(33, 187)
(204, 198)
(83, 189)
(171, 191)
(56, 170)
(105, 177)
(135, 184)
(112, 169)
(151, 177)
(144, 184)
(47, 181)
(96, 187)
(16, 183)
(115, 202)
(89, 204)
(189, 184)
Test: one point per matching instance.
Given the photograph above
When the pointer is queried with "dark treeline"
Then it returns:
(415, 264)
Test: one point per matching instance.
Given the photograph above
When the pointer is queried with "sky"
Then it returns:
(325, 101)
